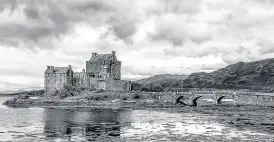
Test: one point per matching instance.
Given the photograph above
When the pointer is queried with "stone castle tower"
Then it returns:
(56, 77)
(103, 72)
(102, 67)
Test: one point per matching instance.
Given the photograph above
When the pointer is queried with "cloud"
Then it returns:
(47, 20)
(178, 30)
(212, 67)
(18, 72)
(149, 37)
(182, 6)
(32, 12)
(266, 46)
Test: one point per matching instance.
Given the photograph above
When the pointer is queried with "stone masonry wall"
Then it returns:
(117, 85)
(54, 82)
(79, 79)
(116, 70)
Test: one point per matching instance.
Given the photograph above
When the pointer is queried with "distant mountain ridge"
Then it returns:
(162, 78)
(256, 76)
(31, 92)
(242, 75)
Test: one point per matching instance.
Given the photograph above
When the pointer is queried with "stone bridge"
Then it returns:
(216, 98)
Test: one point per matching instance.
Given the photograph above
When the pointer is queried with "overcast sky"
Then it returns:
(149, 36)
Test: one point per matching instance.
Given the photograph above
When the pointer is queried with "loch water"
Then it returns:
(89, 124)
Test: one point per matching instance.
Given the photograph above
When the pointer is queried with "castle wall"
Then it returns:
(93, 83)
(69, 77)
(116, 70)
(98, 66)
(80, 80)
(54, 82)
(101, 84)
(117, 85)
(103, 71)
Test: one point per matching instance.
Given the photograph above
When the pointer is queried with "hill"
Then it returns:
(163, 82)
(258, 75)
(31, 93)
(162, 78)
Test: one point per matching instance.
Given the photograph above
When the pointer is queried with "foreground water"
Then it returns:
(86, 124)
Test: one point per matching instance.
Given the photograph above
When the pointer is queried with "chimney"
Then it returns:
(48, 67)
(94, 54)
(113, 52)
(83, 70)
(69, 66)
(52, 67)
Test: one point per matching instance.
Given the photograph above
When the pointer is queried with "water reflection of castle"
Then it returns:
(91, 124)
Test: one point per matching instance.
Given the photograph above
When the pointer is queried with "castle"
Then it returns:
(103, 72)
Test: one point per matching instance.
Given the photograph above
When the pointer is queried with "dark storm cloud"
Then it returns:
(123, 30)
(52, 19)
(52, 22)
(11, 4)
(13, 34)
(32, 12)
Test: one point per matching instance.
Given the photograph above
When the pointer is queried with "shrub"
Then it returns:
(23, 96)
(97, 98)
(125, 98)
(137, 96)
(99, 91)
(105, 97)
(68, 90)
(152, 87)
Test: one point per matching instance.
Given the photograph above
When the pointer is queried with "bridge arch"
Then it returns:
(178, 100)
(194, 101)
(219, 100)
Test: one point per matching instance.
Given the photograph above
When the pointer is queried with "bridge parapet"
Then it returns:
(191, 98)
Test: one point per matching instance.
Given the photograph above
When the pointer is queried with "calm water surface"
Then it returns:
(86, 124)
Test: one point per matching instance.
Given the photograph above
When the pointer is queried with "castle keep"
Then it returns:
(103, 72)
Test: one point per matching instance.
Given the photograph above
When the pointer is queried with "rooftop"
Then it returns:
(52, 69)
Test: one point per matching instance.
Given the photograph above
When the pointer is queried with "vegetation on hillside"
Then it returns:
(255, 76)
(29, 93)
(162, 78)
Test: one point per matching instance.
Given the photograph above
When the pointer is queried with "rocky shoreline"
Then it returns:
(28, 102)
(120, 100)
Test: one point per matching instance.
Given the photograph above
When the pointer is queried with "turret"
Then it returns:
(94, 54)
